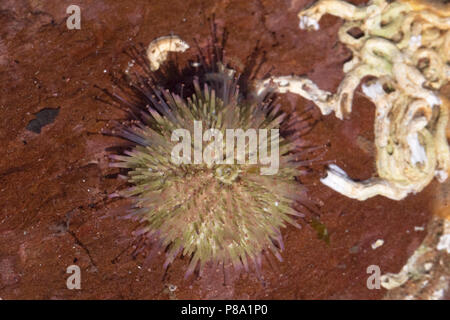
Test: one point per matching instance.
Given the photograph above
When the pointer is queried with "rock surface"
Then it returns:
(54, 184)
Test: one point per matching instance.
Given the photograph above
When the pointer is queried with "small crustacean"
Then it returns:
(406, 45)
(159, 48)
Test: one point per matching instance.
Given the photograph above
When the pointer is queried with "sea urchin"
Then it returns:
(214, 211)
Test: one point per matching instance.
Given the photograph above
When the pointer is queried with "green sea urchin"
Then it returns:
(210, 212)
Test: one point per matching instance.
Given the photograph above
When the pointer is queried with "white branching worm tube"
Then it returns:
(406, 46)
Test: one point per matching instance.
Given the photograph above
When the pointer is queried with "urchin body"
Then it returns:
(210, 211)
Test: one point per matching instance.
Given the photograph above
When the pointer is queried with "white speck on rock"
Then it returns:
(377, 244)
(172, 288)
